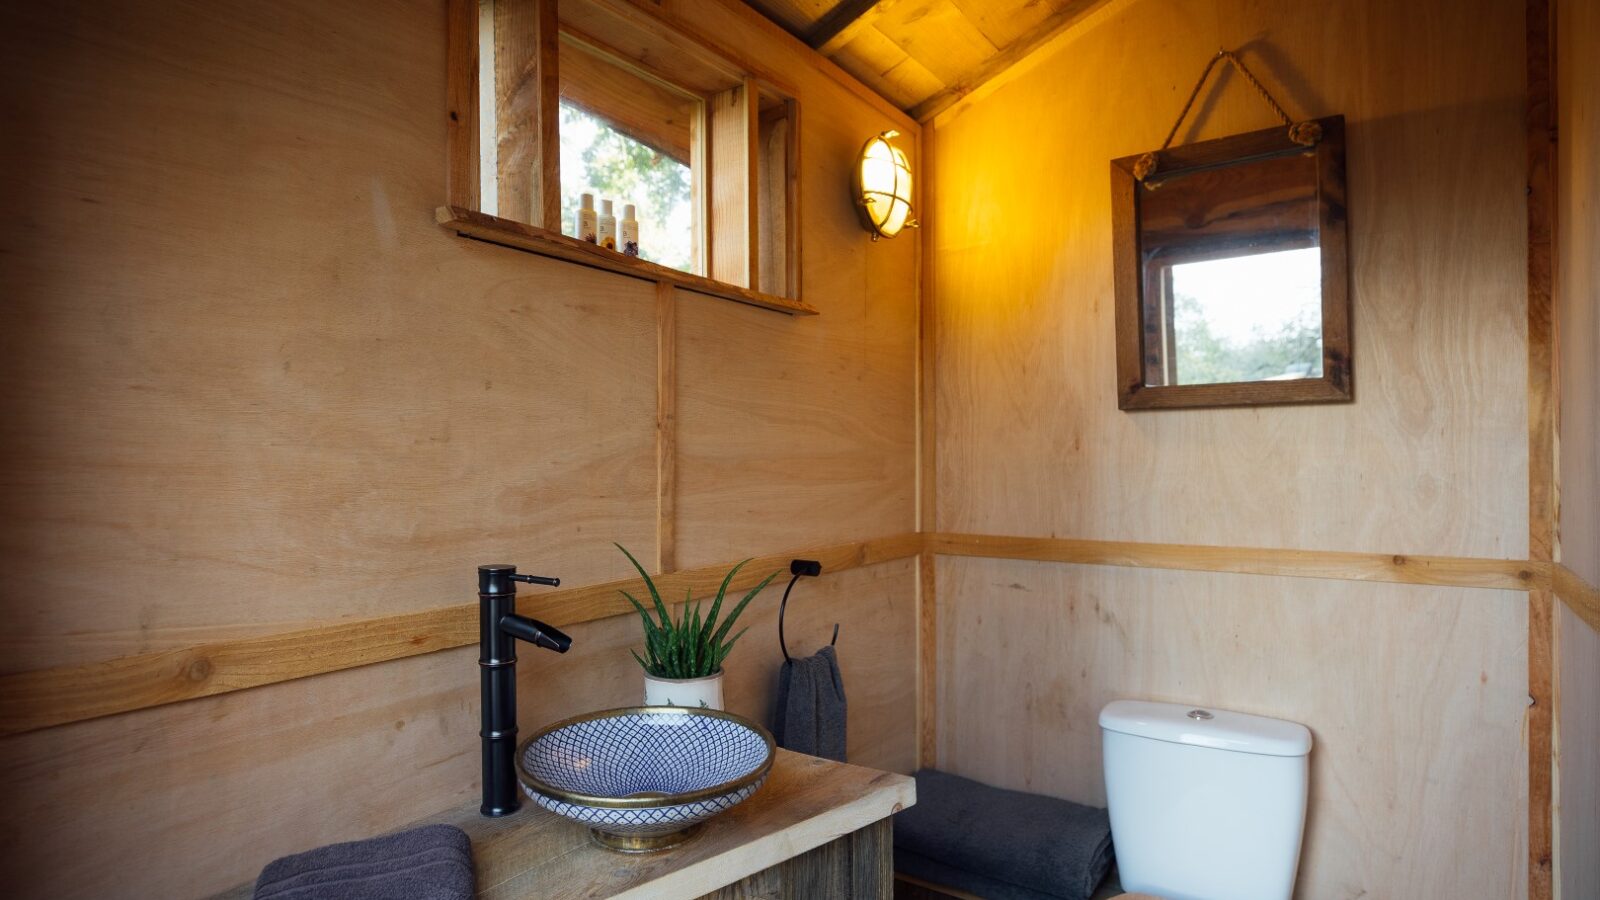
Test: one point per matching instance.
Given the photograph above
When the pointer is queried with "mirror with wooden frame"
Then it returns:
(1231, 281)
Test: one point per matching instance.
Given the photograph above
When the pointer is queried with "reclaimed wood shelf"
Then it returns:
(806, 804)
(521, 236)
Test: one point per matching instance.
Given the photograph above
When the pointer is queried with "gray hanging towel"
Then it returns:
(810, 716)
(433, 862)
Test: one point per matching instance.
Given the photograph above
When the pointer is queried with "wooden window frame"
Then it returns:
(728, 187)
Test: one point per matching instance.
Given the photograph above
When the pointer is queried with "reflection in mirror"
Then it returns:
(1231, 281)
(1242, 318)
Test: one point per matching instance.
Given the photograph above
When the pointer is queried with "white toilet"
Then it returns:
(1205, 804)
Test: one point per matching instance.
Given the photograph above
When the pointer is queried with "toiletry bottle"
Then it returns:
(586, 223)
(608, 226)
(629, 232)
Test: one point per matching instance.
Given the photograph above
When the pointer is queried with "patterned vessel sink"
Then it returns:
(645, 778)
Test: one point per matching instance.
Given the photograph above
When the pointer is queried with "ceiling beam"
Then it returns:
(836, 20)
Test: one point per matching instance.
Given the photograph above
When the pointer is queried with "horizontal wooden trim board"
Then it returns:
(46, 697)
(555, 245)
(56, 696)
(1581, 596)
(1501, 574)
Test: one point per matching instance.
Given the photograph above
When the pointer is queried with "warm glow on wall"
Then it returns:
(883, 187)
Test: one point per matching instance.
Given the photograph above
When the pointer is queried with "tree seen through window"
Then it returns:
(598, 159)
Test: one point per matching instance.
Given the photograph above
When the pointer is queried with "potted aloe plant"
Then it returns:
(682, 660)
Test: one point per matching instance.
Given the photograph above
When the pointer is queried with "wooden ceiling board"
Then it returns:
(925, 55)
(1005, 21)
(882, 65)
(937, 34)
(796, 16)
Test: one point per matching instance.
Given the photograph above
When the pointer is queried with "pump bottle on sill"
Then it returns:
(629, 231)
(608, 226)
(586, 221)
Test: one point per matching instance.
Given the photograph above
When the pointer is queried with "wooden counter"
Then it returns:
(816, 828)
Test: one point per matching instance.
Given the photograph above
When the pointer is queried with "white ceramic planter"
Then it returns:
(695, 693)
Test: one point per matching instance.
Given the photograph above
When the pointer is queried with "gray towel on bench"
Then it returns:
(934, 872)
(433, 862)
(810, 716)
(1042, 844)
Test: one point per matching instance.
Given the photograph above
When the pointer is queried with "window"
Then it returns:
(600, 98)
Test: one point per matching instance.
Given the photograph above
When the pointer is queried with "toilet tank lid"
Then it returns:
(1224, 730)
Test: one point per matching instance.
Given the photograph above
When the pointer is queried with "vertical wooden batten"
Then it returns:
(666, 427)
(1542, 424)
(461, 152)
(735, 134)
(527, 94)
(927, 465)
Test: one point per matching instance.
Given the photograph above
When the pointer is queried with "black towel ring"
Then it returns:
(799, 568)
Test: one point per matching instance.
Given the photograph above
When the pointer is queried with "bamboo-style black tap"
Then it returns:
(499, 628)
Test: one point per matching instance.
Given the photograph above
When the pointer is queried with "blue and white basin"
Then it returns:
(644, 778)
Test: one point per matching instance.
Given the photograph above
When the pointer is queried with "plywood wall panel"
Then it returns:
(227, 407)
(792, 430)
(1426, 460)
(788, 434)
(186, 799)
(1577, 301)
(1577, 739)
(1415, 697)
(1577, 290)
(248, 383)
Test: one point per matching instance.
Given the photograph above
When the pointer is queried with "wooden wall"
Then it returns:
(248, 384)
(1577, 296)
(1416, 695)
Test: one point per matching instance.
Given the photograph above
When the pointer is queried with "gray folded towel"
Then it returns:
(1054, 847)
(810, 716)
(433, 862)
(931, 870)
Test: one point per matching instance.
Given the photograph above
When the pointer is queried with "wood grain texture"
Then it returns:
(555, 245)
(1577, 753)
(1580, 596)
(251, 387)
(280, 397)
(1065, 16)
(1024, 288)
(1577, 283)
(1495, 574)
(1405, 740)
(927, 661)
(729, 26)
(527, 91)
(1543, 404)
(1429, 464)
(305, 753)
(735, 124)
(1576, 791)
(1541, 744)
(801, 809)
(841, 16)
(42, 698)
(666, 427)
(461, 127)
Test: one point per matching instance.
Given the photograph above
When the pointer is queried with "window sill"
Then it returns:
(544, 242)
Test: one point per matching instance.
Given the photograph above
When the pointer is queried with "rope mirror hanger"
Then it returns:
(1306, 133)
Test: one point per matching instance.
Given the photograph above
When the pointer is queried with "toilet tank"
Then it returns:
(1205, 804)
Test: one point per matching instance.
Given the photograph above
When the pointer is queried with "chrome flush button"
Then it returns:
(1199, 714)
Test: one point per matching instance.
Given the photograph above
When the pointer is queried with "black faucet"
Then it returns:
(499, 627)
